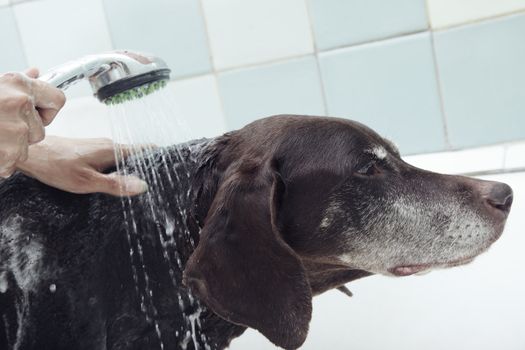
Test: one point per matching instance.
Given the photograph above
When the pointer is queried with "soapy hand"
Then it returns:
(76, 165)
(26, 106)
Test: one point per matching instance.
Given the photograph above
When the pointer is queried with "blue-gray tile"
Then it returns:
(289, 87)
(482, 73)
(345, 22)
(171, 29)
(13, 57)
(391, 87)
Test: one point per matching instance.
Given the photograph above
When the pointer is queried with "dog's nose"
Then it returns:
(500, 197)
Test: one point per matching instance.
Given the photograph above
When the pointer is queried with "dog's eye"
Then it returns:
(370, 169)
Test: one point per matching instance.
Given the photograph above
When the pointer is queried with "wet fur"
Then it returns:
(276, 215)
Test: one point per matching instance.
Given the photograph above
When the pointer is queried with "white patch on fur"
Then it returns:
(334, 209)
(325, 222)
(3, 282)
(392, 144)
(378, 151)
(21, 254)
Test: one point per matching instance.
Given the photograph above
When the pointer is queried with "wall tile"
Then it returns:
(81, 117)
(251, 31)
(51, 38)
(199, 105)
(171, 29)
(341, 23)
(288, 87)
(13, 58)
(482, 75)
(391, 87)
(12, 2)
(444, 13)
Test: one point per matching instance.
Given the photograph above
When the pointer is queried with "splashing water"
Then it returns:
(143, 127)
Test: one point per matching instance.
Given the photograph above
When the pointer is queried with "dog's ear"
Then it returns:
(242, 269)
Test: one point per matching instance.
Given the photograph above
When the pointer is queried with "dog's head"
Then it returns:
(293, 195)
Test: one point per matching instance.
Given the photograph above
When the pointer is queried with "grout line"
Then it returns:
(480, 20)
(377, 40)
(207, 35)
(439, 84)
(264, 63)
(494, 172)
(321, 83)
(108, 27)
(427, 13)
(214, 71)
(316, 57)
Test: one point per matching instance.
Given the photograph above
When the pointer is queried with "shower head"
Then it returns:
(115, 77)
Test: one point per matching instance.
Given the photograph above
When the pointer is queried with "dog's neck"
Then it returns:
(198, 168)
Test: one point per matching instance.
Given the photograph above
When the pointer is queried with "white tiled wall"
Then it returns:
(434, 75)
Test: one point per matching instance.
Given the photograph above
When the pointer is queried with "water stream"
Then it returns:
(144, 127)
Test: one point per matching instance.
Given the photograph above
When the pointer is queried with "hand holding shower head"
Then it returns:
(115, 77)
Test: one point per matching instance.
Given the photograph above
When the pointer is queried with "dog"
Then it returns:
(246, 229)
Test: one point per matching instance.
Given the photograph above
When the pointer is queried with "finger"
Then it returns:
(32, 72)
(119, 185)
(48, 100)
(6, 173)
(7, 170)
(128, 150)
(107, 159)
(36, 127)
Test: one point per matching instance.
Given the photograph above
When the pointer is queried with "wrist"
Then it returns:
(36, 154)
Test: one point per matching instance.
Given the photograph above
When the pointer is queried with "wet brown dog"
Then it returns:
(279, 211)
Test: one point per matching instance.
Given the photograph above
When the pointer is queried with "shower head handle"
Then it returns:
(109, 73)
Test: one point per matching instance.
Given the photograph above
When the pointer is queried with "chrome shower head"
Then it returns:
(115, 77)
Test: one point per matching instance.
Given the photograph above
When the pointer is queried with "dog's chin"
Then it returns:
(421, 269)
(424, 268)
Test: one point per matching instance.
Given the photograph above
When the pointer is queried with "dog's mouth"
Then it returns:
(407, 270)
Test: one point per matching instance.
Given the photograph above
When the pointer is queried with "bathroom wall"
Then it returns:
(433, 76)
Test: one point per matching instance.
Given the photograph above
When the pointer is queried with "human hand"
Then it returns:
(76, 165)
(26, 106)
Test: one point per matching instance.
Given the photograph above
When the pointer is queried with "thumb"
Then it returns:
(119, 185)
(32, 72)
